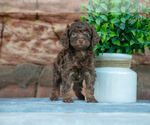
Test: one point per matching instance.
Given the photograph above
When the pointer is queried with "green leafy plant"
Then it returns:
(121, 24)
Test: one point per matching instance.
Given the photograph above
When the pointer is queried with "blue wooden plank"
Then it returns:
(44, 105)
(74, 119)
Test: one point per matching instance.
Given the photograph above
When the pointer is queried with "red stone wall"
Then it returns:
(40, 5)
(29, 43)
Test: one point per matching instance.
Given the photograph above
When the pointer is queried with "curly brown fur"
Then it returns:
(75, 63)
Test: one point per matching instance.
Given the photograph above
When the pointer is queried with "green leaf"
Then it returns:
(136, 4)
(98, 9)
(140, 40)
(104, 6)
(108, 37)
(127, 4)
(113, 39)
(107, 45)
(136, 50)
(99, 33)
(122, 26)
(104, 17)
(92, 23)
(119, 51)
(96, 2)
(112, 49)
(138, 25)
(123, 9)
(128, 49)
(145, 46)
(103, 38)
(111, 26)
(97, 52)
(123, 20)
(102, 49)
(141, 34)
(125, 44)
(104, 28)
(116, 1)
(148, 28)
(145, 10)
(90, 17)
(133, 33)
(127, 16)
(112, 34)
(132, 10)
(129, 52)
(83, 6)
(98, 21)
(131, 22)
(104, 0)
(83, 17)
(117, 42)
(142, 49)
(132, 42)
(148, 37)
(97, 27)
(116, 20)
(97, 47)
(90, 6)
(96, 14)
(118, 33)
(127, 37)
(115, 10)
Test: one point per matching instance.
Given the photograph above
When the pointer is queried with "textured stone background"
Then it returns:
(29, 43)
(43, 5)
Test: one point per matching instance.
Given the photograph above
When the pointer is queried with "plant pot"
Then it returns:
(115, 81)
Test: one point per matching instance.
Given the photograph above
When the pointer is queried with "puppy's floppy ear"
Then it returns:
(95, 37)
(64, 38)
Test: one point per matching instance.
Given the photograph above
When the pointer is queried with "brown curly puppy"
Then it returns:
(76, 63)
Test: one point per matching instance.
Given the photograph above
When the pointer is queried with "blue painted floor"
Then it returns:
(42, 111)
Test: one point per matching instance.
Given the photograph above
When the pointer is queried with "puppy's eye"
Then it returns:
(86, 33)
(74, 34)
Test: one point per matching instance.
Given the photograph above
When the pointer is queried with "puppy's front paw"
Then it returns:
(91, 100)
(68, 100)
(54, 98)
(81, 97)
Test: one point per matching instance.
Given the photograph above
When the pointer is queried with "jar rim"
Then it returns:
(114, 56)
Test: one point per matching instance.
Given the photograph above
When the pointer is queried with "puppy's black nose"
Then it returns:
(80, 41)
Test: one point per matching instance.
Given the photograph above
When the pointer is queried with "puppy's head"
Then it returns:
(80, 35)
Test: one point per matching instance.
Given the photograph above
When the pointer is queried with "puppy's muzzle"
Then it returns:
(80, 41)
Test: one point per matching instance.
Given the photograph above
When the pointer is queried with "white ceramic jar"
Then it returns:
(115, 83)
